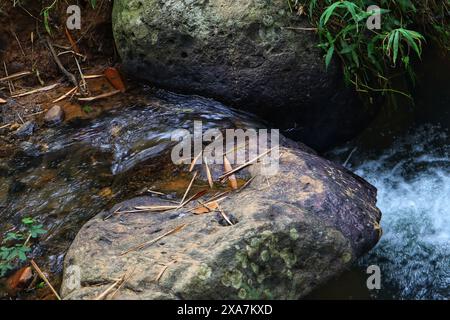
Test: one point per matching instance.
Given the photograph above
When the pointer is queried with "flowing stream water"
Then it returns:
(66, 175)
(63, 176)
(406, 155)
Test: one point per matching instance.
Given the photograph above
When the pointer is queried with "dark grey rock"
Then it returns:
(26, 129)
(242, 54)
(294, 232)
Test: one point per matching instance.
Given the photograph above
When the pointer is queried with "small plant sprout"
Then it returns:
(15, 245)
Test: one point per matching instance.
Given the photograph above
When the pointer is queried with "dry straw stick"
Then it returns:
(118, 283)
(101, 96)
(47, 88)
(65, 95)
(148, 243)
(225, 216)
(188, 188)
(194, 162)
(15, 76)
(164, 270)
(43, 277)
(227, 174)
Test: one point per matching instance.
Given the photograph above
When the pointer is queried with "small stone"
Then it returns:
(26, 129)
(54, 116)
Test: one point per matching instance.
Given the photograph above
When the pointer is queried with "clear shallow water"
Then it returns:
(63, 176)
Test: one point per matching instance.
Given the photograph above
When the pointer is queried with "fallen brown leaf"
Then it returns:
(115, 79)
(19, 279)
(206, 208)
(232, 178)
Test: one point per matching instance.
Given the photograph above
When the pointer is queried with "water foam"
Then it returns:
(413, 181)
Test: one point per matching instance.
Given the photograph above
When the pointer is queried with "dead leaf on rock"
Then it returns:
(115, 79)
(19, 279)
(206, 208)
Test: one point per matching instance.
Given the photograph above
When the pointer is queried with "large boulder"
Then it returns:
(292, 232)
(247, 53)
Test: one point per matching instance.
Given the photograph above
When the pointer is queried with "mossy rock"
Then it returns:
(293, 233)
(246, 53)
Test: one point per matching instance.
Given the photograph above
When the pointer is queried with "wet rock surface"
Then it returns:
(246, 54)
(293, 232)
(26, 129)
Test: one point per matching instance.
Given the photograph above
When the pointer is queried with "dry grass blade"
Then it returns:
(161, 273)
(71, 52)
(155, 208)
(47, 88)
(148, 243)
(208, 174)
(15, 76)
(101, 96)
(118, 283)
(227, 174)
(156, 192)
(6, 126)
(232, 178)
(43, 277)
(103, 295)
(127, 277)
(73, 44)
(206, 208)
(10, 84)
(3, 101)
(93, 76)
(218, 196)
(194, 162)
(225, 216)
(110, 215)
(236, 148)
(188, 188)
(65, 95)
(246, 184)
(194, 197)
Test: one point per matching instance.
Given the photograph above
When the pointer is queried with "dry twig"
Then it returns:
(43, 277)
(148, 243)
(227, 174)
(101, 96)
(65, 95)
(47, 88)
(188, 188)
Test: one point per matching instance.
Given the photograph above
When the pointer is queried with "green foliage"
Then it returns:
(372, 59)
(47, 9)
(16, 245)
(87, 108)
